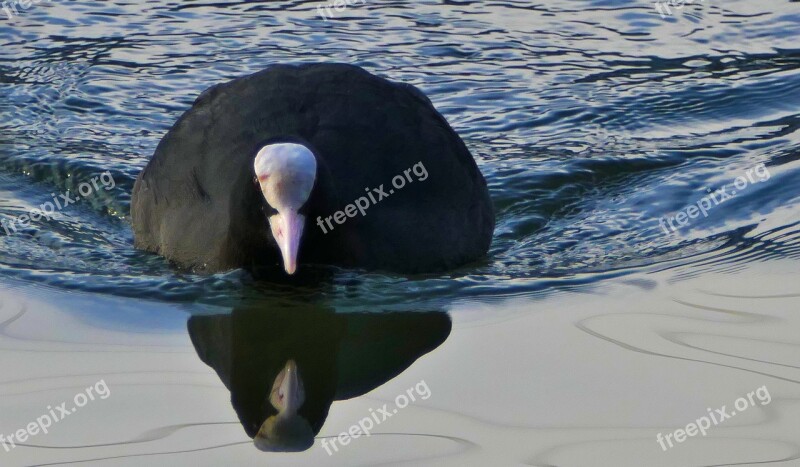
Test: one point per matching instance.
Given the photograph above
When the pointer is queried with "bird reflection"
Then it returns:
(284, 366)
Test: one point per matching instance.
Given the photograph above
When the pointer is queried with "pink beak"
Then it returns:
(289, 241)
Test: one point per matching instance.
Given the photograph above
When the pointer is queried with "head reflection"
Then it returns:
(287, 430)
(285, 367)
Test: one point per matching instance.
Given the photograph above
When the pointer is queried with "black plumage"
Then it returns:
(197, 204)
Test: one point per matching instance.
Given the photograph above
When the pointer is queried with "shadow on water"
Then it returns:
(286, 365)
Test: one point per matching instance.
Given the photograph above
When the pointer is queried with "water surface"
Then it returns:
(591, 122)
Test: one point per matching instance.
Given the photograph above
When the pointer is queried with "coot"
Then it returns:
(319, 163)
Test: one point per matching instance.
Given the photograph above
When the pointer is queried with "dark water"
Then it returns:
(591, 121)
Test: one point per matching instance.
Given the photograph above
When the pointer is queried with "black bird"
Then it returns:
(324, 162)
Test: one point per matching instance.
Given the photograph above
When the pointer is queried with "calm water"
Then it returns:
(591, 122)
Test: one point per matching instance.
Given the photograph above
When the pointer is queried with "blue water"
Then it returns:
(590, 121)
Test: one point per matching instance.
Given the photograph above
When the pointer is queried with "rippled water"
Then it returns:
(591, 120)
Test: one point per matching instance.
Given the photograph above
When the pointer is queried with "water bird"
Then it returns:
(327, 163)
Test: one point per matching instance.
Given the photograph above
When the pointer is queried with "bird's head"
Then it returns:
(287, 431)
(286, 173)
